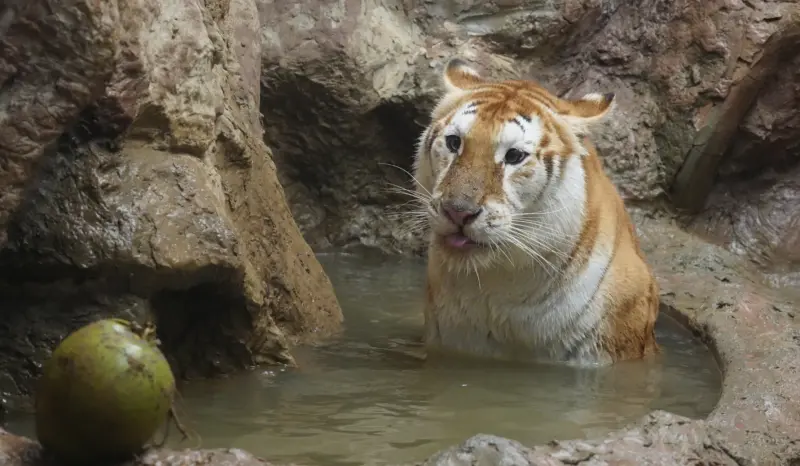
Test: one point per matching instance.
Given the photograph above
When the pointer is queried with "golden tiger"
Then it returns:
(532, 254)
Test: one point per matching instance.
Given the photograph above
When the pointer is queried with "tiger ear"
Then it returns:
(459, 76)
(584, 113)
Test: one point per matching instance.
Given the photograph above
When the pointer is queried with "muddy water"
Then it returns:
(364, 400)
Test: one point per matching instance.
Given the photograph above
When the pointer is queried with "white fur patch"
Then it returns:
(462, 68)
(423, 168)
(594, 97)
(518, 134)
(462, 121)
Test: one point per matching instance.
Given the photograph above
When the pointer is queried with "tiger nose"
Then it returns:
(461, 213)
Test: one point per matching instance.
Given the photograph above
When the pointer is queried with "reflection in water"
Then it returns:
(364, 400)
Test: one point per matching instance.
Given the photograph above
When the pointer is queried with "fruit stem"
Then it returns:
(174, 416)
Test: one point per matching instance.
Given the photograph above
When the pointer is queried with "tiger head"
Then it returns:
(500, 165)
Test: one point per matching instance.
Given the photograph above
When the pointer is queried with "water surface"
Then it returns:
(363, 400)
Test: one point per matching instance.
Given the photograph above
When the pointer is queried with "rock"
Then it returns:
(759, 218)
(754, 209)
(40, 95)
(660, 438)
(341, 110)
(139, 185)
(718, 124)
(20, 451)
(347, 89)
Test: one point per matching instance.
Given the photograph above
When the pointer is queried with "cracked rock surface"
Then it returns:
(19, 451)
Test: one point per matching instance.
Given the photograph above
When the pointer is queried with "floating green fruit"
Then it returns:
(103, 394)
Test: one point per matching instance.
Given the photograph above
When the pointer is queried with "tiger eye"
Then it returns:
(453, 143)
(514, 156)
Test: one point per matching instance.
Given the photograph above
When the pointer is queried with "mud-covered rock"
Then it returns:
(152, 191)
(759, 218)
(41, 95)
(660, 438)
(347, 88)
(341, 107)
(754, 208)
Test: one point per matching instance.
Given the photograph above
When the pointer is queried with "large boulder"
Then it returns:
(703, 87)
(136, 183)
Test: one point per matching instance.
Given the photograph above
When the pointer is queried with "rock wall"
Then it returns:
(702, 87)
(342, 109)
(136, 182)
(754, 209)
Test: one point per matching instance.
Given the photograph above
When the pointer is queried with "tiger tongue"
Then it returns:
(457, 240)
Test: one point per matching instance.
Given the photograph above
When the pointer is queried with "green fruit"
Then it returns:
(103, 394)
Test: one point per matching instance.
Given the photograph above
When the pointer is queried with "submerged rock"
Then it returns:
(136, 182)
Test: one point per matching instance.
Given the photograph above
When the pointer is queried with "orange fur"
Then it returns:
(552, 267)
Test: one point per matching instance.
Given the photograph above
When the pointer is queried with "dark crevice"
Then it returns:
(199, 329)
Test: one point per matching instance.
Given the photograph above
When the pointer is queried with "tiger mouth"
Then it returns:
(459, 241)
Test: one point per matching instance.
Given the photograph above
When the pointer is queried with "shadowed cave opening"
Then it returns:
(203, 329)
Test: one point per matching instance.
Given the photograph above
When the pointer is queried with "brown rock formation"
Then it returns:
(136, 182)
(341, 104)
(754, 209)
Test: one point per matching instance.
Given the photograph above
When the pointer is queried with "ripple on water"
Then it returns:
(364, 400)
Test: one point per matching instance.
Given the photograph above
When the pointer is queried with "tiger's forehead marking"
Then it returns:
(524, 104)
(463, 118)
(507, 128)
(521, 132)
